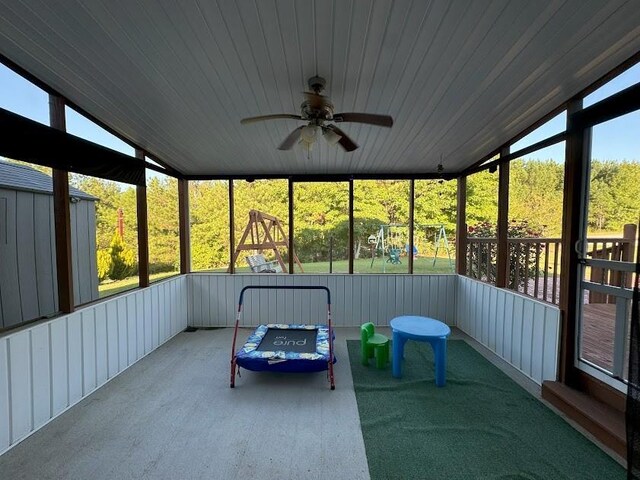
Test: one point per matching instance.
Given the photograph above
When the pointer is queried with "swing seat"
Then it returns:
(259, 264)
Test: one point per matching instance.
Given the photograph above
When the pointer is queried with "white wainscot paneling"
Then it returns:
(356, 299)
(49, 367)
(521, 330)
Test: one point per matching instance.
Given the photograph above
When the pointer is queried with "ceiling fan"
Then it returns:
(317, 111)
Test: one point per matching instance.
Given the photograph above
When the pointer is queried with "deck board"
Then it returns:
(597, 337)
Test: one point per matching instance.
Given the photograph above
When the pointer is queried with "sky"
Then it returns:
(618, 139)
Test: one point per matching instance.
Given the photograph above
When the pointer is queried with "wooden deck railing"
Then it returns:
(534, 264)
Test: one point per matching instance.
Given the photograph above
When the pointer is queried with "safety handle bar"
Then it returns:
(284, 287)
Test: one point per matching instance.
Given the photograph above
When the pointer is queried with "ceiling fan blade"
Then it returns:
(291, 139)
(370, 118)
(345, 142)
(246, 121)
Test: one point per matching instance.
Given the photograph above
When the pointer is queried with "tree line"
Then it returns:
(321, 211)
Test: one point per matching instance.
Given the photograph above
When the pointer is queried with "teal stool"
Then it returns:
(373, 344)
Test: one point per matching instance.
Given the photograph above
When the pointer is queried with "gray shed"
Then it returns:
(28, 283)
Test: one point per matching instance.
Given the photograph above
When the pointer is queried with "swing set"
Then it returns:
(265, 232)
(389, 240)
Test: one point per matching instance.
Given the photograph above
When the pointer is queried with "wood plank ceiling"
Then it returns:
(460, 78)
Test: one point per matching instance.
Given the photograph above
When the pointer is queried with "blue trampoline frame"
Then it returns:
(251, 358)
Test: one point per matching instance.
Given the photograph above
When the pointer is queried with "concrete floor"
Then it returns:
(172, 415)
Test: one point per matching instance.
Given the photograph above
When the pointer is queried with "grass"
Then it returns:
(111, 288)
(480, 425)
(363, 265)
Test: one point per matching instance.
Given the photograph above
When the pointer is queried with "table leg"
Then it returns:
(398, 354)
(440, 356)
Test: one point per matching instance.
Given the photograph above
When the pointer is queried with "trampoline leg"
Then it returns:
(331, 379)
(232, 384)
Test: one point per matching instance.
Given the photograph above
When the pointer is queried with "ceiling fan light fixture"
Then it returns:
(330, 136)
(309, 134)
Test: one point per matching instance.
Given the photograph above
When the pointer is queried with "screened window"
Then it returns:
(381, 226)
(209, 224)
(321, 223)
(261, 213)
(434, 231)
(164, 225)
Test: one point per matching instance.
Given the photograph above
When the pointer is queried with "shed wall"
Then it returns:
(28, 281)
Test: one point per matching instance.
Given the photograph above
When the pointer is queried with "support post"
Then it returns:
(291, 255)
(232, 226)
(578, 149)
(412, 184)
(62, 216)
(183, 215)
(502, 262)
(461, 227)
(143, 230)
(351, 236)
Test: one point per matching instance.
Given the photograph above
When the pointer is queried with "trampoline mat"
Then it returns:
(289, 339)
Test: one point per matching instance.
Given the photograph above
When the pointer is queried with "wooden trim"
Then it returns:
(601, 391)
(62, 216)
(10, 64)
(183, 216)
(606, 424)
(461, 227)
(351, 233)
(232, 233)
(576, 165)
(613, 73)
(617, 105)
(479, 165)
(329, 177)
(62, 219)
(627, 64)
(30, 141)
(547, 142)
(291, 231)
(412, 191)
(502, 262)
(143, 230)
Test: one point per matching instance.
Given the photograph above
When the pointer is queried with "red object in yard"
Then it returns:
(120, 225)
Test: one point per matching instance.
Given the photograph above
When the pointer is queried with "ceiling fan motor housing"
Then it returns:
(317, 84)
(318, 111)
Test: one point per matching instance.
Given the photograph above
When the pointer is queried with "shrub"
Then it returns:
(123, 259)
(104, 263)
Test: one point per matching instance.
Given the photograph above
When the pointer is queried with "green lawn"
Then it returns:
(111, 288)
(363, 265)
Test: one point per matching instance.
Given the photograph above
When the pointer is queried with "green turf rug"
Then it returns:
(480, 425)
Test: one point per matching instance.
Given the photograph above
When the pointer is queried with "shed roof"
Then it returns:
(22, 177)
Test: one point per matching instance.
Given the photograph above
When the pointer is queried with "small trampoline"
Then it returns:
(286, 347)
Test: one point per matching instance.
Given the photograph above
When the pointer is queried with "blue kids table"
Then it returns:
(420, 329)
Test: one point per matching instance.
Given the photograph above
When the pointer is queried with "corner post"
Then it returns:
(291, 253)
(62, 216)
(502, 262)
(183, 215)
(143, 229)
(461, 227)
(578, 150)
(232, 233)
(412, 185)
(351, 235)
